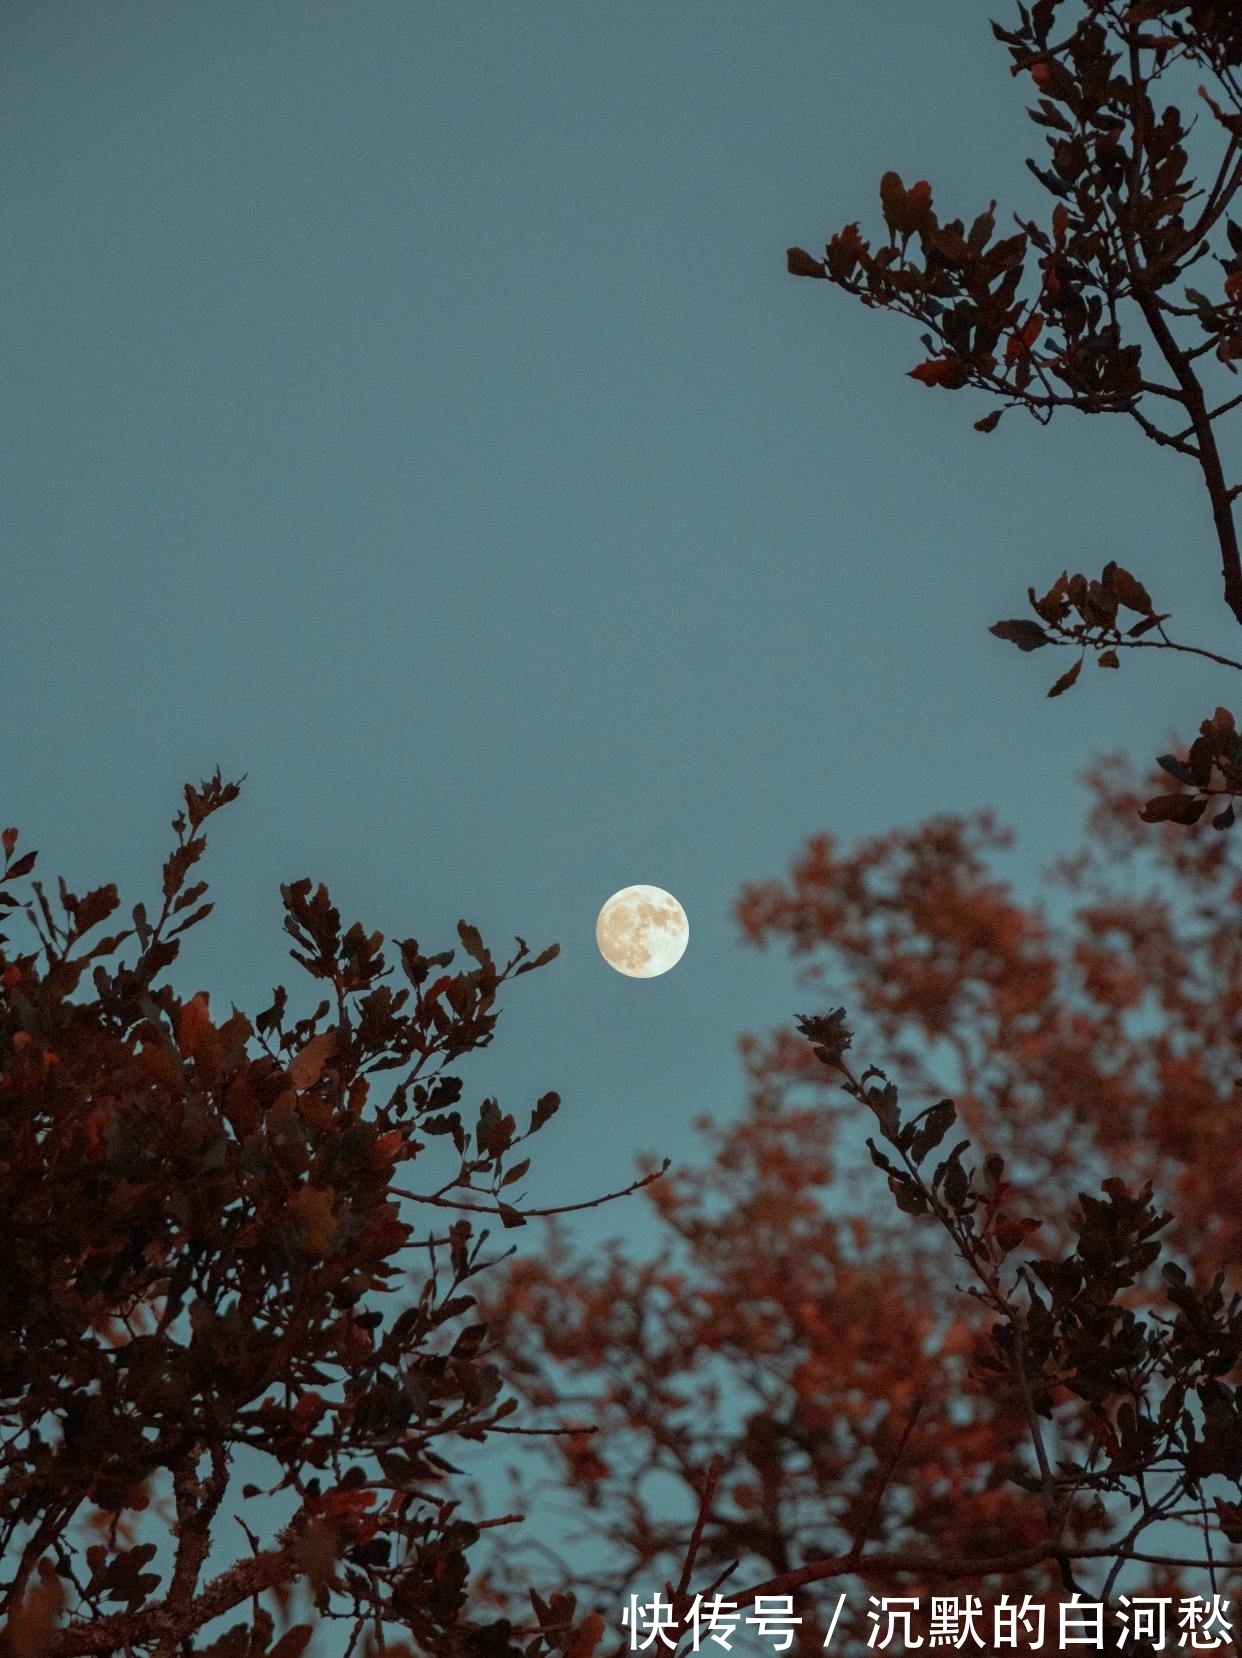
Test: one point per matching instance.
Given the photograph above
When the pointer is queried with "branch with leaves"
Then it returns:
(1126, 227)
(810, 1342)
(203, 1257)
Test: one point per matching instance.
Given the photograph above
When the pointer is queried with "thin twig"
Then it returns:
(886, 1474)
(710, 1481)
(530, 1214)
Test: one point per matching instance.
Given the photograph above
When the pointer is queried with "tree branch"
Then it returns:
(1145, 298)
(167, 1623)
(440, 1202)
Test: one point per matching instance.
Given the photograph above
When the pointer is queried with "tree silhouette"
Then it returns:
(1022, 1381)
(1019, 1381)
(1127, 223)
(201, 1260)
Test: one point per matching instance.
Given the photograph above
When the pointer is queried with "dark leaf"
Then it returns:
(1019, 631)
(1175, 768)
(472, 943)
(892, 200)
(1066, 679)
(910, 1199)
(828, 1031)
(545, 1106)
(932, 1129)
(293, 1642)
(200, 914)
(956, 1183)
(881, 1161)
(800, 263)
(883, 1101)
(1130, 592)
(1173, 808)
(541, 960)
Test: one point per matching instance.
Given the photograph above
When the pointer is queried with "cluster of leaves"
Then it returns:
(1117, 231)
(1064, 1326)
(1096, 605)
(874, 1429)
(964, 283)
(202, 1257)
(1076, 610)
(1211, 768)
(1126, 227)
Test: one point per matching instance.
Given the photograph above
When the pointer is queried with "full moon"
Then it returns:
(642, 932)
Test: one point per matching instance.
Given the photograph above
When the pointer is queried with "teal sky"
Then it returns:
(406, 405)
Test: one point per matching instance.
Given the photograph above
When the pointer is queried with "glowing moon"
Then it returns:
(642, 931)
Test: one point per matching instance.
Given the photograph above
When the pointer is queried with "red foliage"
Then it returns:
(806, 1355)
(949, 372)
(201, 1254)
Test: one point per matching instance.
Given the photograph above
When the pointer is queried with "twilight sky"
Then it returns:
(406, 404)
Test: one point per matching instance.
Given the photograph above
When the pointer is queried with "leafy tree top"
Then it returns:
(1125, 298)
(204, 1236)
